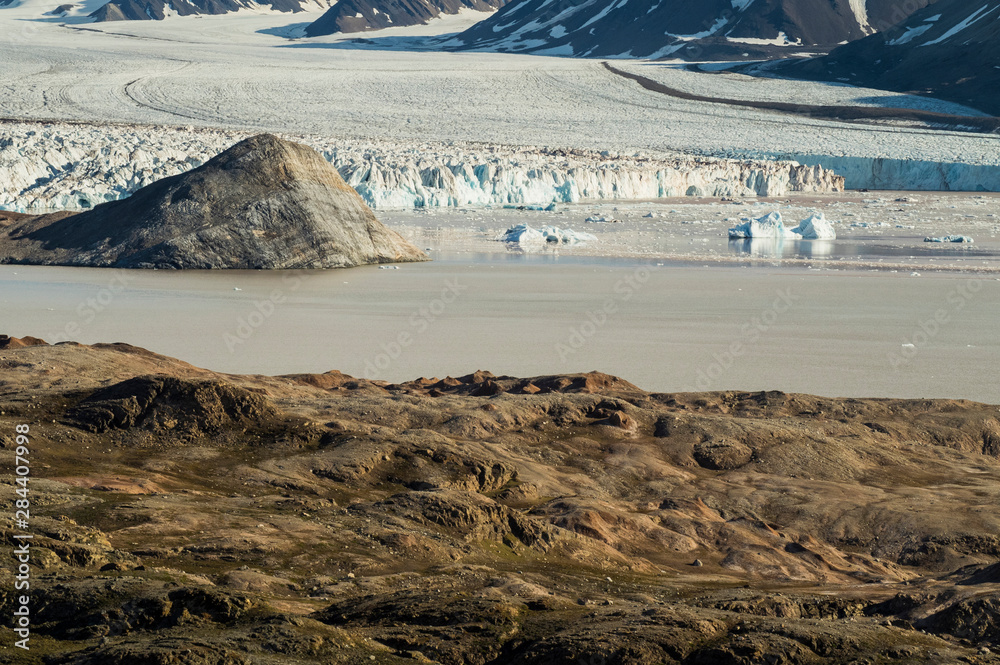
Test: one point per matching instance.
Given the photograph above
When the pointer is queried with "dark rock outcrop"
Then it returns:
(362, 15)
(264, 203)
(163, 403)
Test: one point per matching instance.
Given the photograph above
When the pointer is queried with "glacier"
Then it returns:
(78, 166)
(901, 174)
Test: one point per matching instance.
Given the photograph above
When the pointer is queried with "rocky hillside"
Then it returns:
(717, 29)
(949, 50)
(485, 520)
(264, 203)
(362, 15)
(156, 10)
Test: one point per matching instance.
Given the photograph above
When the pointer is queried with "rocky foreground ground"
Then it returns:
(185, 516)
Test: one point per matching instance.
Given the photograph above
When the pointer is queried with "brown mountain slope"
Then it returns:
(484, 519)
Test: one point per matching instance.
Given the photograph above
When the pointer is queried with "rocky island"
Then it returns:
(264, 203)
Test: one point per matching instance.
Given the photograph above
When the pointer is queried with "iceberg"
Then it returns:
(950, 239)
(567, 236)
(768, 226)
(815, 227)
(522, 234)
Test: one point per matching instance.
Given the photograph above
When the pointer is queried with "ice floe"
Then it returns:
(522, 234)
(949, 239)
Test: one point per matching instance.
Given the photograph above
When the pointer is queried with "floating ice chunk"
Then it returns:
(815, 227)
(567, 236)
(768, 226)
(950, 239)
(523, 234)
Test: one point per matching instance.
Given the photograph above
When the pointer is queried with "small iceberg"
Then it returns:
(815, 227)
(950, 239)
(522, 234)
(768, 226)
(567, 236)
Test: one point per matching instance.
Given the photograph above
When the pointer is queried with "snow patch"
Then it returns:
(909, 35)
(860, 9)
(781, 40)
(715, 27)
(975, 16)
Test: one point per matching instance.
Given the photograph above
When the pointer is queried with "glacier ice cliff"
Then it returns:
(904, 174)
(72, 166)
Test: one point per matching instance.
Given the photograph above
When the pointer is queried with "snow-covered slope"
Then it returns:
(949, 50)
(363, 15)
(679, 28)
(79, 166)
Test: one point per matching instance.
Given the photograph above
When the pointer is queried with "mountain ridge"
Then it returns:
(348, 16)
(157, 10)
(661, 28)
(949, 50)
